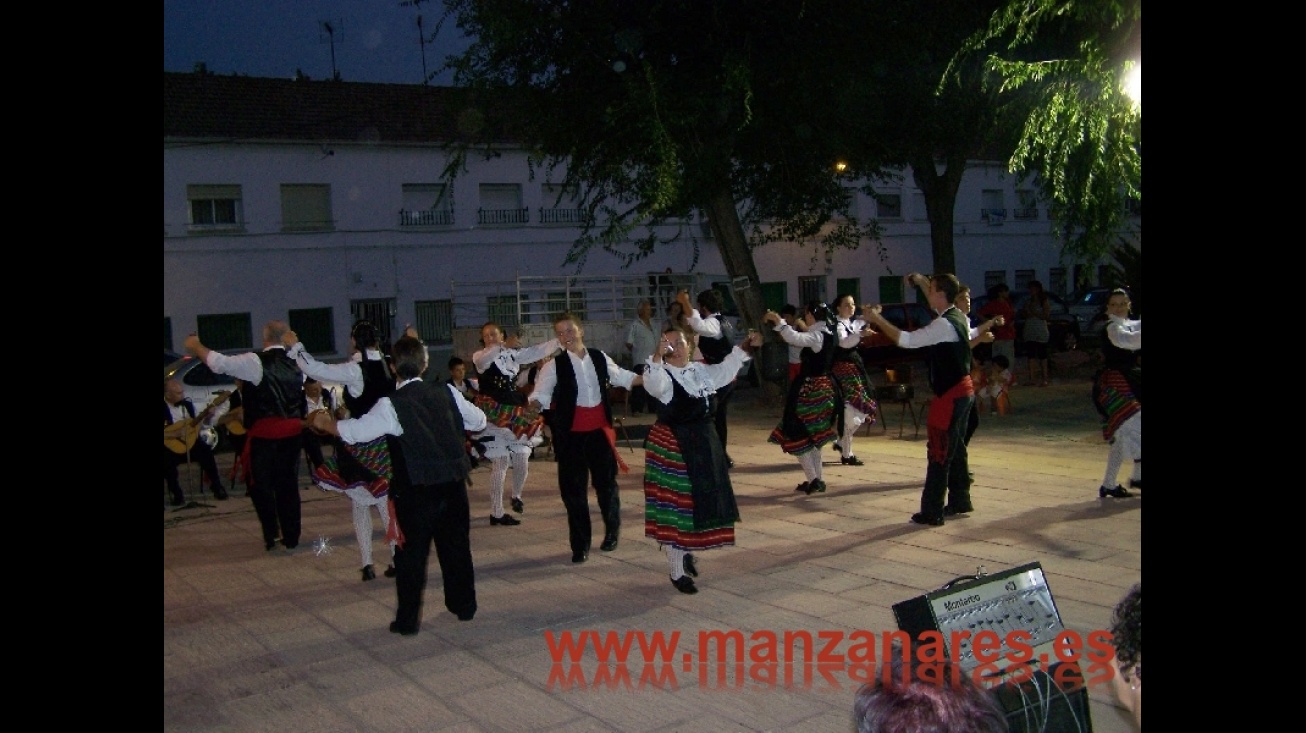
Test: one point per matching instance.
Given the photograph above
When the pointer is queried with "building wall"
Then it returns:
(267, 272)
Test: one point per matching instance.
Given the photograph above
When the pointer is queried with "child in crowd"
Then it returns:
(997, 381)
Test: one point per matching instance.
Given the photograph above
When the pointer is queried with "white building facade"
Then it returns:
(324, 202)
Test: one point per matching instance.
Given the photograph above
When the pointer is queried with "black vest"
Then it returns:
(949, 361)
(378, 382)
(500, 387)
(714, 350)
(816, 363)
(563, 410)
(280, 394)
(1115, 357)
(431, 450)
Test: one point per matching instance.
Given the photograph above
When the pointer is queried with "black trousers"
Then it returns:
(722, 402)
(199, 453)
(274, 467)
(639, 399)
(585, 458)
(436, 513)
(949, 478)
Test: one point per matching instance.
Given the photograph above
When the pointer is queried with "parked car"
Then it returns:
(202, 385)
(876, 348)
(1063, 327)
(1090, 306)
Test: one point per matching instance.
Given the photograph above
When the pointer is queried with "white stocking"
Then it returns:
(520, 467)
(498, 472)
(363, 531)
(676, 558)
(811, 463)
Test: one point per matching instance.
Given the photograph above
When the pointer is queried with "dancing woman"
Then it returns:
(813, 404)
(508, 436)
(850, 374)
(689, 503)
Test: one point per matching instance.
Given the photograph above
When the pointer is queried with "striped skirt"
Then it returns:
(669, 499)
(509, 417)
(1115, 400)
(362, 465)
(856, 392)
(810, 420)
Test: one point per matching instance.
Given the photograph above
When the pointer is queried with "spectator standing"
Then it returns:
(1004, 336)
(1037, 311)
(641, 340)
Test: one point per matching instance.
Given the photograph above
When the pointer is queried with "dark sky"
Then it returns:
(375, 40)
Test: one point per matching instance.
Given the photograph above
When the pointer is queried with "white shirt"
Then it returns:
(382, 419)
(245, 366)
(642, 340)
(697, 378)
(510, 361)
(1125, 333)
(349, 374)
(937, 331)
(587, 381)
(813, 337)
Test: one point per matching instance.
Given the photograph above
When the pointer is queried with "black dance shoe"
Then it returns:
(816, 487)
(506, 519)
(368, 573)
(395, 628)
(851, 461)
(952, 511)
(390, 571)
(581, 556)
(685, 584)
(927, 520)
(609, 543)
(518, 506)
(803, 487)
(1119, 492)
(690, 567)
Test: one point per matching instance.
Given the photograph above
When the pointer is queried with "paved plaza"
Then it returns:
(295, 640)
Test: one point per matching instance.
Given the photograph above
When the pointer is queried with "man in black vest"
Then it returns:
(714, 344)
(273, 400)
(574, 388)
(427, 425)
(947, 340)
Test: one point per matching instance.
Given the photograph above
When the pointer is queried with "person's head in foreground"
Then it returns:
(932, 697)
(1127, 634)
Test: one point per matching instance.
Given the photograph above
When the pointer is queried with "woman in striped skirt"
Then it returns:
(850, 373)
(689, 503)
(814, 402)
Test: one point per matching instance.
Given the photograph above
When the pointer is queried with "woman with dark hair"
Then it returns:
(1118, 396)
(909, 696)
(1037, 310)
(1127, 636)
(813, 403)
(361, 471)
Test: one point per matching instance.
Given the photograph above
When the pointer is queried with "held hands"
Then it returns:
(289, 339)
(321, 422)
(999, 321)
(772, 318)
(682, 298)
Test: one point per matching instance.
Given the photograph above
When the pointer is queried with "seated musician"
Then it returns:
(182, 441)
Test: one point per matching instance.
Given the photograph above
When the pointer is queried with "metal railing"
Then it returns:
(424, 218)
(562, 216)
(503, 216)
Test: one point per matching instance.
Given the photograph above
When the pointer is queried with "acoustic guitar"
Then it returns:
(234, 420)
(180, 436)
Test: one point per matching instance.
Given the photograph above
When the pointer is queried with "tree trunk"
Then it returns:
(940, 188)
(738, 258)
